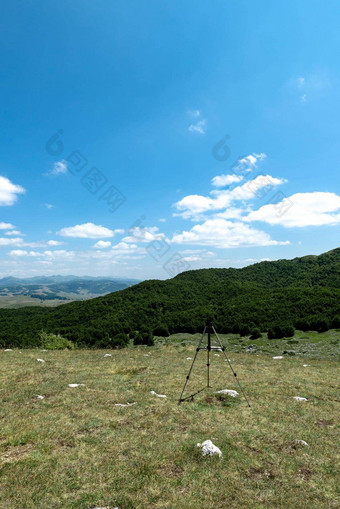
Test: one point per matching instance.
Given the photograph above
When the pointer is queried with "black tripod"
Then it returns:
(207, 329)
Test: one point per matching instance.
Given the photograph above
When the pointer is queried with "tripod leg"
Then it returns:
(191, 367)
(235, 375)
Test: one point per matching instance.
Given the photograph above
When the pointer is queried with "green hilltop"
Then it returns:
(302, 293)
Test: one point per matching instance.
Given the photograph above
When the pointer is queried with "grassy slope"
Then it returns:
(75, 449)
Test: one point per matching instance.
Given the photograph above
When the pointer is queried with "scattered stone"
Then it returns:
(8, 350)
(230, 392)
(306, 365)
(40, 360)
(189, 358)
(278, 357)
(158, 395)
(127, 404)
(301, 442)
(209, 449)
(76, 385)
(40, 397)
(216, 354)
(298, 398)
(107, 355)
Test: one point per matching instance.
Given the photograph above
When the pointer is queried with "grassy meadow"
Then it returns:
(76, 449)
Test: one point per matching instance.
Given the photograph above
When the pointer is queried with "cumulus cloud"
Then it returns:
(14, 233)
(192, 206)
(300, 210)
(221, 233)
(102, 244)
(9, 192)
(54, 243)
(6, 226)
(88, 231)
(146, 234)
(226, 180)
(11, 242)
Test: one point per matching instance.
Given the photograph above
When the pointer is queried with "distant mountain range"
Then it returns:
(55, 290)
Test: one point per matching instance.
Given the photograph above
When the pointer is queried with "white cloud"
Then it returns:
(54, 243)
(14, 233)
(252, 159)
(226, 180)
(193, 205)
(59, 168)
(146, 234)
(18, 252)
(88, 231)
(49, 206)
(225, 234)
(300, 210)
(11, 242)
(198, 127)
(9, 192)
(6, 226)
(102, 244)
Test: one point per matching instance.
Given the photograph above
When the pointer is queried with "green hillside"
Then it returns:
(304, 293)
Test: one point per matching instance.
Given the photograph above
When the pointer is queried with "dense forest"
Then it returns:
(269, 296)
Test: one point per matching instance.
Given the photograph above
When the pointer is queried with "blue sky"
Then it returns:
(194, 134)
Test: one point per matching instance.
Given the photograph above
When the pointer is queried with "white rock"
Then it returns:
(76, 385)
(127, 404)
(8, 350)
(107, 355)
(216, 354)
(230, 392)
(278, 357)
(40, 397)
(40, 360)
(302, 442)
(305, 365)
(158, 395)
(189, 358)
(298, 398)
(209, 449)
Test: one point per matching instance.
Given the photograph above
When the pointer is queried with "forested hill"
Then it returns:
(304, 292)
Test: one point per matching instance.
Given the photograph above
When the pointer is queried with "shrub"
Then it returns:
(271, 334)
(322, 326)
(280, 332)
(336, 322)
(51, 341)
(162, 331)
(144, 338)
(255, 333)
(120, 340)
(288, 331)
(303, 325)
(244, 330)
(236, 329)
